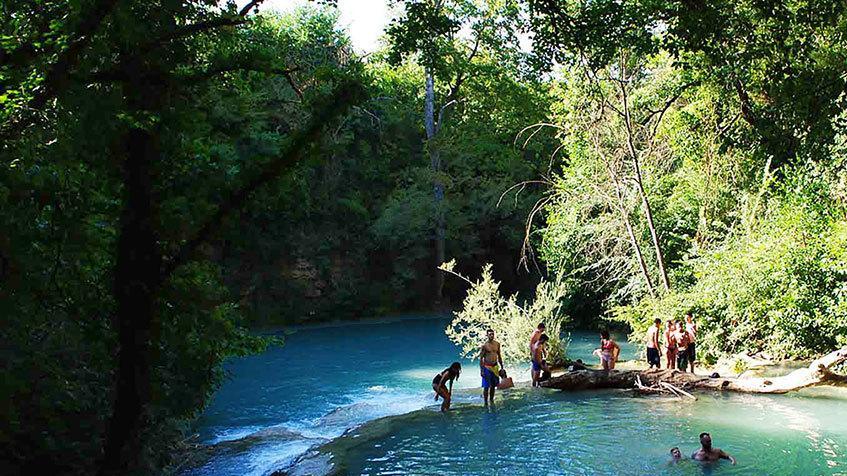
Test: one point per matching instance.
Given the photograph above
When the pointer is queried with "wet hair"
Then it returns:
(675, 448)
(543, 338)
(704, 434)
(657, 321)
(489, 330)
(541, 325)
(604, 334)
(456, 368)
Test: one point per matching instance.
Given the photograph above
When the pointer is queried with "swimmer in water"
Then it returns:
(709, 454)
(676, 454)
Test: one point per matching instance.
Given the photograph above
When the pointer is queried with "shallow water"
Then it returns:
(326, 380)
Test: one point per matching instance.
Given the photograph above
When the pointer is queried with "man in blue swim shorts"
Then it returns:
(490, 363)
(538, 363)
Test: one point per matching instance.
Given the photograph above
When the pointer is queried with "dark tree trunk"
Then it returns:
(136, 281)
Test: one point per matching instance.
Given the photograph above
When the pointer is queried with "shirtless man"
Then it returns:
(490, 363)
(683, 340)
(652, 341)
(533, 339)
(707, 453)
(538, 363)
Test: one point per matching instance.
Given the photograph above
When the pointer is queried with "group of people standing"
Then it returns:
(680, 344)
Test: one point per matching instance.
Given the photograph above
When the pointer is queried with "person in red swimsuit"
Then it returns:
(609, 351)
(670, 343)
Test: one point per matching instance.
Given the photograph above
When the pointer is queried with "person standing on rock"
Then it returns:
(670, 343)
(691, 330)
(683, 340)
(653, 356)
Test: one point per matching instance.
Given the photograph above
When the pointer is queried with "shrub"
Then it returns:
(513, 321)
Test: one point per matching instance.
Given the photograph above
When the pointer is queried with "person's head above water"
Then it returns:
(604, 334)
(541, 326)
(676, 453)
(706, 441)
(490, 334)
(456, 368)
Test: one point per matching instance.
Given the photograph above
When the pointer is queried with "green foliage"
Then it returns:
(778, 288)
(512, 321)
(62, 194)
(745, 174)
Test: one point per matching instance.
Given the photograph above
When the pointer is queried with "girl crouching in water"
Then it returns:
(439, 384)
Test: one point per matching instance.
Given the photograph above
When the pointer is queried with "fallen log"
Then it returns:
(817, 373)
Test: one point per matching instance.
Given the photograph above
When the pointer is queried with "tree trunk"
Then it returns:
(632, 238)
(437, 185)
(817, 373)
(660, 259)
(137, 270)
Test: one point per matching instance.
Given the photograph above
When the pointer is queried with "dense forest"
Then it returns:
(174, 174)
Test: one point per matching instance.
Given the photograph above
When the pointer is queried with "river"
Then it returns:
(361, 392)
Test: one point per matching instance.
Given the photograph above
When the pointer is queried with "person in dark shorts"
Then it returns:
(652, 340)
(490, 363)
(538, 363)
(682, 343)
(691, 329)
(440, 382)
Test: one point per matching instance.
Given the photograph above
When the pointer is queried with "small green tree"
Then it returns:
(513, 322)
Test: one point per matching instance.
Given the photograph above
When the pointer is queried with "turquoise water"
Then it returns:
(327, 380)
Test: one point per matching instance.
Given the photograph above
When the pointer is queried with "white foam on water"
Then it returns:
(231, 434)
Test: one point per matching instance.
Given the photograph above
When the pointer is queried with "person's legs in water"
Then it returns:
(445, 396)
(536, 373)
(489, 383)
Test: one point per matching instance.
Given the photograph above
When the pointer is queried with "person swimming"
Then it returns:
(708, 454)
(440, 381)
(676, 454)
